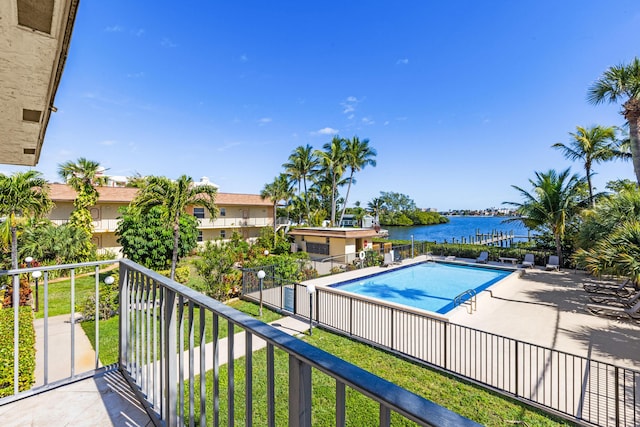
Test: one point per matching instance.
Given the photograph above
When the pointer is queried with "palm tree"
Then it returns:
(83, 176)
(617, 253)
(22, 194)
(302, 163)
(590, 145)
(175, 197)
(279, 189)
(622, 83)
(375, 206)
(553, 203)
(358, 155)
(333, 162)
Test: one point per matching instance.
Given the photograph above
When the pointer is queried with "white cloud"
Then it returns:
(326, 131)
(114, 29)
(264, 121)
(166, 42)
(351, 116)
(108, 142)
(135, 75)
(368, 121)
(386, 122)
(349, 104)
(243, 58)
(139, 32)
(403, 61)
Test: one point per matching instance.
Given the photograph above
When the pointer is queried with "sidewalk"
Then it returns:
(59, 356)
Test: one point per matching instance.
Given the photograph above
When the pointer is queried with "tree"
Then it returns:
(616, 254)
(609, 213)
(175, 197)
(302, 164)
(333, 162)
(46, 242)
(83, 176)
(279, 189)
(22, 194)
(146, 239)
(590, 145)
(555, 199)
(216, 269)
(358, 154)
(375, 206)
(621, 83)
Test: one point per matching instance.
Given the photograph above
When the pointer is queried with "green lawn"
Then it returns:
(60, 294)
(109, 328)
(468, 400)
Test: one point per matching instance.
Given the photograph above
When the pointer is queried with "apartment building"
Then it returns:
(245, 214)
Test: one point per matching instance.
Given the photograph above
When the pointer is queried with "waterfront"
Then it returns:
(457, 228)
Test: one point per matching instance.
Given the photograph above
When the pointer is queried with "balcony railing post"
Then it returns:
(16, 335)
(123, 290)
(299, 393)
(170, 371)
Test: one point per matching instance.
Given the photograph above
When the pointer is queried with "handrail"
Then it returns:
(471, 293)
(150, 335)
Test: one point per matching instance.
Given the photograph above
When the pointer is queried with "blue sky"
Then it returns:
(460, 99)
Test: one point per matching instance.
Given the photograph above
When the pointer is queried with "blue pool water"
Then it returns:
(429, 286)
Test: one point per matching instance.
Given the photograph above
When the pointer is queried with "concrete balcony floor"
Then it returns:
(102, 400)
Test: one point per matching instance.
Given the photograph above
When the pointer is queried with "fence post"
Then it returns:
(617, 393)
(299, 393)
(517, 371)
(170, 362)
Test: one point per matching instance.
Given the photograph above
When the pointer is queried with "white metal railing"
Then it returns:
(157, 319)
(229, 222)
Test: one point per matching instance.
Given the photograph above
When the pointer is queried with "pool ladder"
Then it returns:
(471, 297)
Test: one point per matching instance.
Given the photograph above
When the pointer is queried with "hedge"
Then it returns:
(27, 350)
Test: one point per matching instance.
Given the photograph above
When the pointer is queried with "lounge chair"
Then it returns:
(483, 258)
(620, 290)
(529, 261)
(609, 310)
(616, 300)
(553, 263)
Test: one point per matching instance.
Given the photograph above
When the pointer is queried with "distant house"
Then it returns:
(324, 242)
(245, 214)
(349, 220)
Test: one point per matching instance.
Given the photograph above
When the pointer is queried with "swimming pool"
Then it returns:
(429, 286)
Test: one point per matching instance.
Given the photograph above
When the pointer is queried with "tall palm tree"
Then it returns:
(22, 194)
(621, 83)
(554, 201)
(175, 197)
(333, 162)
(590, 145)
(279, 189)
(302, 163)
(358, 155)
(83, 176)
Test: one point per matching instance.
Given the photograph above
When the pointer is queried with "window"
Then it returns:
(200, 236)
(223, 234)
(198, 212)
(223, 212)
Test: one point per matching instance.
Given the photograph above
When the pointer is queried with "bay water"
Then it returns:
(457, 228)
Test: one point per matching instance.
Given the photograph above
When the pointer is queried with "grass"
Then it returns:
(108, 329)
(60, 294)
(468, 400)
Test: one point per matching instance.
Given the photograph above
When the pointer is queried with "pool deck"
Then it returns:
(545, 308)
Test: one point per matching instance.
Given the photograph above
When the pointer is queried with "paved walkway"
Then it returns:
(105, 399)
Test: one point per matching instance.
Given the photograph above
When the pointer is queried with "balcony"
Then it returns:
(231, 222)
(167, 335)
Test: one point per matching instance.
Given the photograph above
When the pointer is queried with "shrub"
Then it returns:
(182, 274)
(108, 306)
(26, 349)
